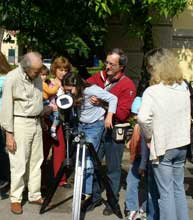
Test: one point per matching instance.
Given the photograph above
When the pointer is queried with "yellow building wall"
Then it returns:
(184, 20)
(184, 24)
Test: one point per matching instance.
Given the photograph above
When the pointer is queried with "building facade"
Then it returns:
(9, 47)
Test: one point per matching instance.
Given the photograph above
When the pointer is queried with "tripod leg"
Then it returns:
(79, 173)
(63, 169)
(75, 181)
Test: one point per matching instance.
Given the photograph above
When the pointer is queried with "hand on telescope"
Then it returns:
(10, 142)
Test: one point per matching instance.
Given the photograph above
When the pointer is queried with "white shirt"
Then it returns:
(165, 117)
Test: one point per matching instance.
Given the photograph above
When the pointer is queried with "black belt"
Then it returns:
(23, 116)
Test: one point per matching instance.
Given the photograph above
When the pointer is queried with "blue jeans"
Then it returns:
(113, 152)
(54, 116)
(169, 176)
(152, 195)
(150, 198)
(132, 191)
(93, 133)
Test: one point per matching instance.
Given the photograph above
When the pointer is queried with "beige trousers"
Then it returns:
(26, 162)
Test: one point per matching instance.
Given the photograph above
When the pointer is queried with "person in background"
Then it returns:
(59, 68)
(113, 79)
(20, 117)
(165, 119)
(4, 69)
(139, 155)
(141, 167)
(92, 119)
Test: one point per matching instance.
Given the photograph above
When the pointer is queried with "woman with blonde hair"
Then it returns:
(164, 117)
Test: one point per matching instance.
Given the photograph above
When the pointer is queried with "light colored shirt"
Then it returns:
(21, 96)
(164, 117)
(91, 113)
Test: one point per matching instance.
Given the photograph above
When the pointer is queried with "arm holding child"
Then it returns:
(111, 100)
(49, 91)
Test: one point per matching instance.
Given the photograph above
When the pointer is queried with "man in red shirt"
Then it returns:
(112, 78)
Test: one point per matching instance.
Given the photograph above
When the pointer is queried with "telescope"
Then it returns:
(65, 104)
(64, 101)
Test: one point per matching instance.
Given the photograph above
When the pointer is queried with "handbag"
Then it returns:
(119, 131)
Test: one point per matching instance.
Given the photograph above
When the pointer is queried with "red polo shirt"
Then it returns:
(124, 89)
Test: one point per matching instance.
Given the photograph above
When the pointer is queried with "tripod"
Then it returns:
(79, 171)
(66, 167)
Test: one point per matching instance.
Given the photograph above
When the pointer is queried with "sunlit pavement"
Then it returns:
(62, 200)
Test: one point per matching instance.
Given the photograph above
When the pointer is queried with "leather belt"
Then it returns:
(32, 117)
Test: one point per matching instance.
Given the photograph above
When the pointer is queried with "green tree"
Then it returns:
(78, 27)
(138, 16)
(62, 26)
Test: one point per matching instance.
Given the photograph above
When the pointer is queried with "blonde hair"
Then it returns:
(163, 67)
(60, 62)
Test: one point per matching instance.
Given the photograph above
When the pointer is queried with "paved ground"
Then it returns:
(62, 201)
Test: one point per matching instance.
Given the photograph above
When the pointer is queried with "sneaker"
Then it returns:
(143, 215)
(132, 215)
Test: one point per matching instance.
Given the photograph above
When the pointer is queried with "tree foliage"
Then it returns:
(138, 16)
(62, 26)
(77, 27)
(138, 13)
